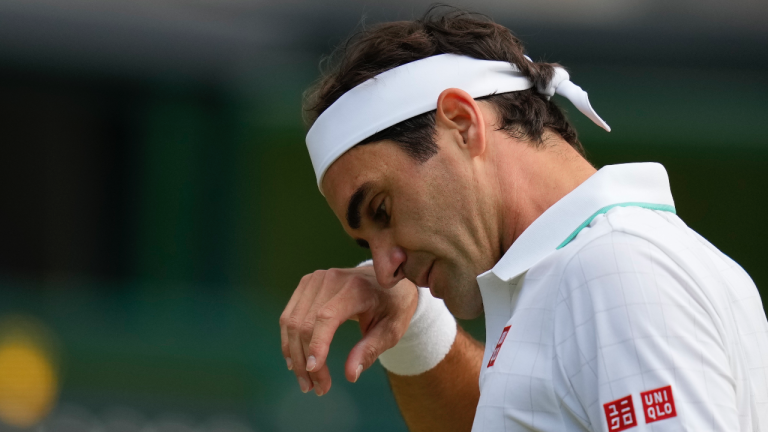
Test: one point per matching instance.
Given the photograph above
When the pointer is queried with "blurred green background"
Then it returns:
(159, 206)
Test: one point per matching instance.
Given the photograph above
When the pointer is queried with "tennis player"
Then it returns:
(438, 146)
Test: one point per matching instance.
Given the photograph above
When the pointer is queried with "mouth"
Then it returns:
(426, 280)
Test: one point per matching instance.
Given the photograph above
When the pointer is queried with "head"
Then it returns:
(423, 194)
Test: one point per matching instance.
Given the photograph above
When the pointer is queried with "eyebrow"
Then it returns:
(355, 202)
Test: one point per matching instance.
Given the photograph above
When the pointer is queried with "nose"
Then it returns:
(388, 260)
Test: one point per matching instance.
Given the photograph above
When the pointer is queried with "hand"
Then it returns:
(322, 302)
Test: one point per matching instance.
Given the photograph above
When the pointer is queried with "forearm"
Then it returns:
(445, 397)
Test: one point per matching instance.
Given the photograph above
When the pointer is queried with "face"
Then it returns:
(422, 221)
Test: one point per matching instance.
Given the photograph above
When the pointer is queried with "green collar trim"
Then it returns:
(660, 207)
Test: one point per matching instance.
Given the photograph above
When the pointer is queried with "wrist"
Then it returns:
(427, 341)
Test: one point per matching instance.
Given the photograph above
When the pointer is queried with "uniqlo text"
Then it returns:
(658, 404)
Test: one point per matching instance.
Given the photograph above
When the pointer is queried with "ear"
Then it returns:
(460, 115)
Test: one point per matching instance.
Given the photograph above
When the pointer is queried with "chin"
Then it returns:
(464, 302)
(465, 311)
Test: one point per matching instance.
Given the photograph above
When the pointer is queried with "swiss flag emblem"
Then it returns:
(658, 404)
(498, 345)
(620, 414)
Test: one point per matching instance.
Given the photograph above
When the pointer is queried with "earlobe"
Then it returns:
(457, 112)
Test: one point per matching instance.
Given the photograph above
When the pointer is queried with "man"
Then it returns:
(437, 146)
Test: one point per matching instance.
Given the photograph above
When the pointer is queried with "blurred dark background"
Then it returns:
(159, 207)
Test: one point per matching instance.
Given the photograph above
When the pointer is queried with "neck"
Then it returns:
(531, 180)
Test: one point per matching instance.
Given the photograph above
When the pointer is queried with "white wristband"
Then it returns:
(427, 341)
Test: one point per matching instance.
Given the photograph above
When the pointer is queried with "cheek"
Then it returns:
(421, 221)
(429, 221)
(431, 209)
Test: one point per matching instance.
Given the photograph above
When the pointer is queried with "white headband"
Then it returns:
(412, 89)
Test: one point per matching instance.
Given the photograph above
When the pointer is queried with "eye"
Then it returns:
(381, 212)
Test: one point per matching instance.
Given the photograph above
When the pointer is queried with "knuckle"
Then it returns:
(284, 319)
(370, 354)
(306, 330)
(368, 302)
(327, 313)
(315, 346)
(360, 282)
(333, 273)
(356, 282)
(292, 324)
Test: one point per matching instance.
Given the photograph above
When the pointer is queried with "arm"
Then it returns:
(445, 397)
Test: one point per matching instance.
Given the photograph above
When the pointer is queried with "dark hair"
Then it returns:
(442, 30)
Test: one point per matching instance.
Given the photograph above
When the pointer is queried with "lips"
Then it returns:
(424, 279)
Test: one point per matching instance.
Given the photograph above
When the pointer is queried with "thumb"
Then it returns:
(376, 341)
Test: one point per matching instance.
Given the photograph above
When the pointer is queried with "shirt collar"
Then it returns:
(635, 183)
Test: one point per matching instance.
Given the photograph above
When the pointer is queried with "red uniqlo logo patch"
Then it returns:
(658, 404)
(620, 414)
(498, 345)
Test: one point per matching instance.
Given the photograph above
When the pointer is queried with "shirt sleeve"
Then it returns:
(635, 350)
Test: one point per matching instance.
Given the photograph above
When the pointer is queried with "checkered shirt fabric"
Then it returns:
(636, 302)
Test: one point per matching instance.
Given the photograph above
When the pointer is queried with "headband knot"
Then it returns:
(557, 79)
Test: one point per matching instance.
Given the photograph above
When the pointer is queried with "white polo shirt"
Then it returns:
(608, 314)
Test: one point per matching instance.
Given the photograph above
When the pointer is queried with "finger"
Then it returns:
(330, 287)
(285, 318)
(296, 296)
(377, 340)
(349, 302)
(294, 325)
(318, 373)
(299, 368)
(285, 347)
(321, 380)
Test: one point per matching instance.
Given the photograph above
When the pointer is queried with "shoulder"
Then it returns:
(617, 250)
(619, 283)
(627, 319)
